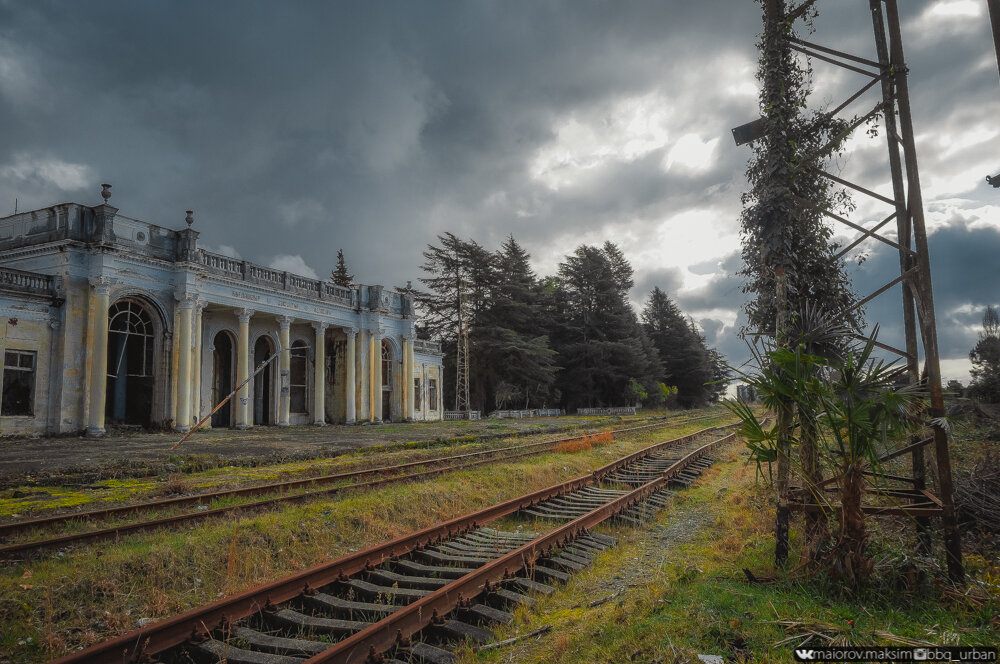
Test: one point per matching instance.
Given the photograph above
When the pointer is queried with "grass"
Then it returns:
(199, 472)
(585, 443)
(683, 592)
(52, 604)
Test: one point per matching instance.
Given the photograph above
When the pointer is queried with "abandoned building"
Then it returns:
(111, 321)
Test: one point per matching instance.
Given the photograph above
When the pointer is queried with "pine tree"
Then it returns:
(445, 284)
(597, 334)
(340, 275)
(512, 334)
(689, 364)
(446, 280)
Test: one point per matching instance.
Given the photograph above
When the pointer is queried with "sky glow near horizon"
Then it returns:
(297, 130)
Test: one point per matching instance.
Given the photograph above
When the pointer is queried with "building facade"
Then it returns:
(112, 321)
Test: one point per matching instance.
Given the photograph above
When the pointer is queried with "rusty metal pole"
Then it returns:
(925, 298)
(903, 230)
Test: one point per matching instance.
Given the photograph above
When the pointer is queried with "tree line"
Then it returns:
(570, 340)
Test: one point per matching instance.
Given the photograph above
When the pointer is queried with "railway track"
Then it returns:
(443, 584)
(287, 492)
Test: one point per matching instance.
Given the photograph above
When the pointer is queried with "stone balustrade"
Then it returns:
(234, 268)
(27, 282)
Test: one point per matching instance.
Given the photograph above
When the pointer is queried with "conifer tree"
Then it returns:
(340, 275)
(513, 335)
(689, 364)
(597, 334)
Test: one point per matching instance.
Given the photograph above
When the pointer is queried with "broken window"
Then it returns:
(297, 378)
(416, 395)
(432, 393)
(18, 383)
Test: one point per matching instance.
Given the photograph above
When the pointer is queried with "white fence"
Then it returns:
(618, 410)
(455, 415)
(521, 414)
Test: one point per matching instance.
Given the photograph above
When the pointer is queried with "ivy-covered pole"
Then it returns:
(776, 67)
(788, 253)
(784, 423)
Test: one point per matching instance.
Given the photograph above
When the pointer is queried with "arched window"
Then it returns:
(130, 366)
(386, 364)
(297, 378)
(387, 409)
(130, 336)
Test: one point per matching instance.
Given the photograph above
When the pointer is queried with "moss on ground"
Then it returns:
(678, 589)
(197, 473)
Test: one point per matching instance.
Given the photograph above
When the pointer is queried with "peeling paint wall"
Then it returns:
(77, 251)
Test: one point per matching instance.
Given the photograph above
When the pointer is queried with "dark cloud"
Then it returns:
(302, 128)
(724, 291)
(965, 275)
(667, 279)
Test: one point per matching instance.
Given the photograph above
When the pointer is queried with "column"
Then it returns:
(196, 364)
(423, 385)
(97, 350)
(284, 370)
(183, 422)
(406, 380)
(319, 375)
(375, 363)
(439, 372)
(175, 352)
(350, 385)
(408, 353)
(243, 368)
(363, 373)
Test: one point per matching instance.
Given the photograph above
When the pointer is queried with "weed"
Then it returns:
(175, 485)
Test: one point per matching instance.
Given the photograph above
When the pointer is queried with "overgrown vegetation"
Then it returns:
(847, 404)
(789, 260)
(782, 223)
(677, 589)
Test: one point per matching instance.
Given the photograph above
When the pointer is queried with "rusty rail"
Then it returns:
(414, 617)
(197, 622)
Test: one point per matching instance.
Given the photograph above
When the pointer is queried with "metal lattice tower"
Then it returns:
(905, 208)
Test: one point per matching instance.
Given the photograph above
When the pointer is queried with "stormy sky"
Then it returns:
(294, 129)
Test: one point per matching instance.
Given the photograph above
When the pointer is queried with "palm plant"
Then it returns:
(861, 411)
(846, 408)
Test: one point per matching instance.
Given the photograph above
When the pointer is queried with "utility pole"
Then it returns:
(994, 6)
(462, 356)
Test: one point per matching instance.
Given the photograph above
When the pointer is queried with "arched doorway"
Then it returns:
(262, 400)
(222, 378)
(386, 381)
(130, 364)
